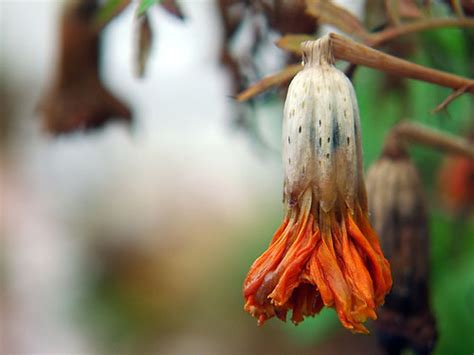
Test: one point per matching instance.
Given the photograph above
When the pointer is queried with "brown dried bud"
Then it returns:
(77, 99)
(398, 215)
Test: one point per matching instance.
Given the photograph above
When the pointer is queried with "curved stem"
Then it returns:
(377, 39)
(417, 133)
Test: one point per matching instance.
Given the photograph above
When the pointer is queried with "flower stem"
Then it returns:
(387, 35)
(417, 133)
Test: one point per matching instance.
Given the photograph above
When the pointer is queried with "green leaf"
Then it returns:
(144, 5)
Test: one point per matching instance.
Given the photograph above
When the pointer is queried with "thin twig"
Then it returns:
(453, 96)
(268, 82)
(377, 39)
(360, 54)
(417, 133)
(356, 53)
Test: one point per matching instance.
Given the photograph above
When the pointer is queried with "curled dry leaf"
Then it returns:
(268, 82)
(292, 43)
(328, 13)
(143, 44)
(77, 99)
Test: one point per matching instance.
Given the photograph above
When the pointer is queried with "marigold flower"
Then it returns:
(325, 253)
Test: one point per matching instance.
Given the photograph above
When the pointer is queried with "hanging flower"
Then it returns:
(325, 253)
(399, 215)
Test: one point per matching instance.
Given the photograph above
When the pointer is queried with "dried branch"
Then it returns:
(360, 54)
(356, 53)
(416, 133)
(292, 42)
(377, 39)
(453, 96)
(268, 82)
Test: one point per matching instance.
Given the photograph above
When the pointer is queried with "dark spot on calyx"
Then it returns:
(299, 129)
(289, 140)
(320, 141)
(335, 136)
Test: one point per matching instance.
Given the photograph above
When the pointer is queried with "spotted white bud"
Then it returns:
(325, 252)
(321, 132)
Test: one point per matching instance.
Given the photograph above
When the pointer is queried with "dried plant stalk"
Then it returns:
(384, 36)
(413, 132)
(268, 82)
(360, 54)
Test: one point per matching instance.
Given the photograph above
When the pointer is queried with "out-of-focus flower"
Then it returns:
(456, 184)
(398, 214)
(325, 253)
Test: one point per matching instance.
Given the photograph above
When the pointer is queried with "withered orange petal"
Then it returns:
(269, 260)
(335, 279)
(376, 262)
(357, 273)
(293, 263)
(306, 301)
(317, 278)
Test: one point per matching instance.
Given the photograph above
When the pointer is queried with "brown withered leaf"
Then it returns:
(77, 98)
(268, 82)
(292, 43)
(144, 44)
(173, 8)
(328, 13)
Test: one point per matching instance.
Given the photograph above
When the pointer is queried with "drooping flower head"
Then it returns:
(325, 252)
(400, 217)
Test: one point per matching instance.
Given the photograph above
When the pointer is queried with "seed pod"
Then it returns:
(398, 214)
(325, 253)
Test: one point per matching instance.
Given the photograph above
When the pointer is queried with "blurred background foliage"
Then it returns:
(162, 291)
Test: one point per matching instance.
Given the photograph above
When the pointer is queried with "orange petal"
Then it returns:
(269, 260)
(294, 262)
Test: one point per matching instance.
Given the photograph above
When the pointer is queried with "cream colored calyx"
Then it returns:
(318, 52)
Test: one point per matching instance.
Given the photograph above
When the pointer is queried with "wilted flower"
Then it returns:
(325, 253)
(399, 216)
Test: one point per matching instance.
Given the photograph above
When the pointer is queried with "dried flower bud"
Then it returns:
(325, 252)
(398, 214)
